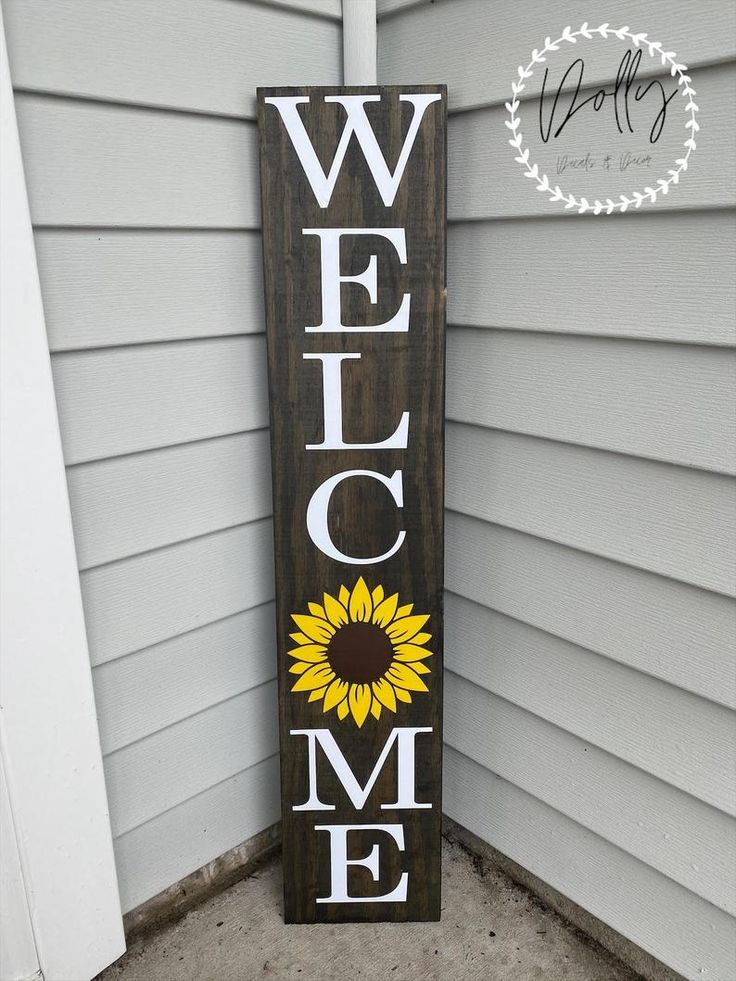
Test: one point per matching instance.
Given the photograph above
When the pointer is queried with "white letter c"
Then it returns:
(319, 504)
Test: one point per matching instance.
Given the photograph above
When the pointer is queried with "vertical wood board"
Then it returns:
(362, 523)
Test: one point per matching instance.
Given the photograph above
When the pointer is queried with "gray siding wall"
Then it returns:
(139, 141)
(590, 529)
(590, 545)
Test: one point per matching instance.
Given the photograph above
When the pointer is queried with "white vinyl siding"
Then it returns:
(139, 141)
(591, 532)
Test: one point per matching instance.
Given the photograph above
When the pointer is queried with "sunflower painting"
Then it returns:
(360, 653)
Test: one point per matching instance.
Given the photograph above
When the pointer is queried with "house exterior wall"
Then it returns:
(590, 530)
(137, 124)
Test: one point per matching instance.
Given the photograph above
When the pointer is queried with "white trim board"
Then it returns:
(48, 727)
(359, 42)
(18, 957)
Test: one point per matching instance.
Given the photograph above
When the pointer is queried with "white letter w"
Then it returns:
(357, 122)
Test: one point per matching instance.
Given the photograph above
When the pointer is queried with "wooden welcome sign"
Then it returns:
(354, 205)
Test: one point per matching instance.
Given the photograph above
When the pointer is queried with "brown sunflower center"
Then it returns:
(360, 653)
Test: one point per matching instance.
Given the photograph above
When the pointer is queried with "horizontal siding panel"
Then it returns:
(198, 56)
(162, 770)
(484, 181)
(144, 600)
(665, 401)
(670, 733)
(671, 520)
(689, 934)
(103, 288)
(136, 503)
(323, 8)
(675, 272)
(124, 400)
(690, 842)
(95, 164)
(104, 165)
(474, 46)
(186, 837)
(386, 7)
(144, 692)
(664, 628)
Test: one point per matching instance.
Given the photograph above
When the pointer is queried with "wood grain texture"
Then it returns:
(174, 764)
(675, 267)
(475, 46)
(670, 733)
(109, 288)
(144, 692)
(139, 398)
(657, 626)
(92, 164)
(176, 842)
(132, 504)
(675, 833)
(398, 372)
(664, 401)
(148, 598)
(163, 54)
(666, 919)
(671, 520)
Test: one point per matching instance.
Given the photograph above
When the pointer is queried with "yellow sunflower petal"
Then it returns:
(403, 630)
(384, 692)
(314, 696)
(344, 596)
(300, 639)
(376, 709)
(384, 612)
(343, 709)
(317, 676)
(402, 676)
(403, 696)
(314, 653)
(404, 611)
(359, 700)
(317, 611)
(421, 639)
(377, 595)
(335, 693)
(420, 668)
(316, 629)
(409, 652)
(361, 605)
(299, 668)
(336, 612)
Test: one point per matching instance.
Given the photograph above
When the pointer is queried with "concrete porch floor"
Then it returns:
(491, 929)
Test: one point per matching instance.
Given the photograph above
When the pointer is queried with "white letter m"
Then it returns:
(403, 736)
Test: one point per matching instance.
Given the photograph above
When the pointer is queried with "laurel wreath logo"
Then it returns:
(624, 202)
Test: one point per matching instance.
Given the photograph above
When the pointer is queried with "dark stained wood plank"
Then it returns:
(397, 372)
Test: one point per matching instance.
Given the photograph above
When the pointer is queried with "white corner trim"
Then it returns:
(18, 957)
(359, 53)
(48, 726)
